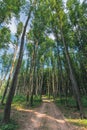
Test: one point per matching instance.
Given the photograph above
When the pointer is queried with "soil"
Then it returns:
(46, 117)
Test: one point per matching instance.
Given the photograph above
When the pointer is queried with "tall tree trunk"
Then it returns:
(53, 76)
(48, 84)
(53, 85)
(33, 80)
(60, 75)
(72, 77)
(7, 109)
(34, 72)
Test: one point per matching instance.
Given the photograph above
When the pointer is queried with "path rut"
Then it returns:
(46, 117)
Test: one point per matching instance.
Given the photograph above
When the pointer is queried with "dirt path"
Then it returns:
(46, 117)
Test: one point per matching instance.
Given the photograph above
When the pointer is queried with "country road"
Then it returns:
(46, 117)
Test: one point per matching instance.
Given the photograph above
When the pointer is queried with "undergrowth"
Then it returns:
(12, 125)
(20, 102)
(70, 111)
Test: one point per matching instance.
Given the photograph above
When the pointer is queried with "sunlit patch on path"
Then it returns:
(46, 117)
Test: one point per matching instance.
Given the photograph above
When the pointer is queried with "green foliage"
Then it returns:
(1, 115)
(19, 101)
(19, 98)
(9, 7)
(84, 100)
(37, 101)
(19, 29)
(70, 101)
(5, 36)
(2, 89)
(6, 60)
(10, 126)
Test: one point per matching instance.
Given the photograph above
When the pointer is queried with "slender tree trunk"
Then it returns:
(53, 85)
(60, 75)
(34, 71)
(40, 84)
(33, 76)
(5, 91)
(57, 81)
(37, 86)
(53, 73)
(72, 78)
(10, 75)
(5, 75)
(7, 109)
(30, 80)
(48, 85)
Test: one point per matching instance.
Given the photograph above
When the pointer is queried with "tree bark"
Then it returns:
(34, 72)
(72, 77)
(7, 109)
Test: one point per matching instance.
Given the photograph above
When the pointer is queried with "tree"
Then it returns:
(8, 8)
(7, 110)
(62, 26)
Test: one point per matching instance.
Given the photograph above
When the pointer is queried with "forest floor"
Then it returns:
(46, 117)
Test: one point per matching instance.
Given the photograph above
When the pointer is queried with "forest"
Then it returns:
(43, 65)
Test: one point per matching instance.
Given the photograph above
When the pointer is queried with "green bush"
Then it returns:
(12, 125)
(84, 100)
(19, 98)
(9, 127)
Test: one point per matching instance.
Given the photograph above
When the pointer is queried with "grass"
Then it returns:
(70, 111)
(78, 122)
